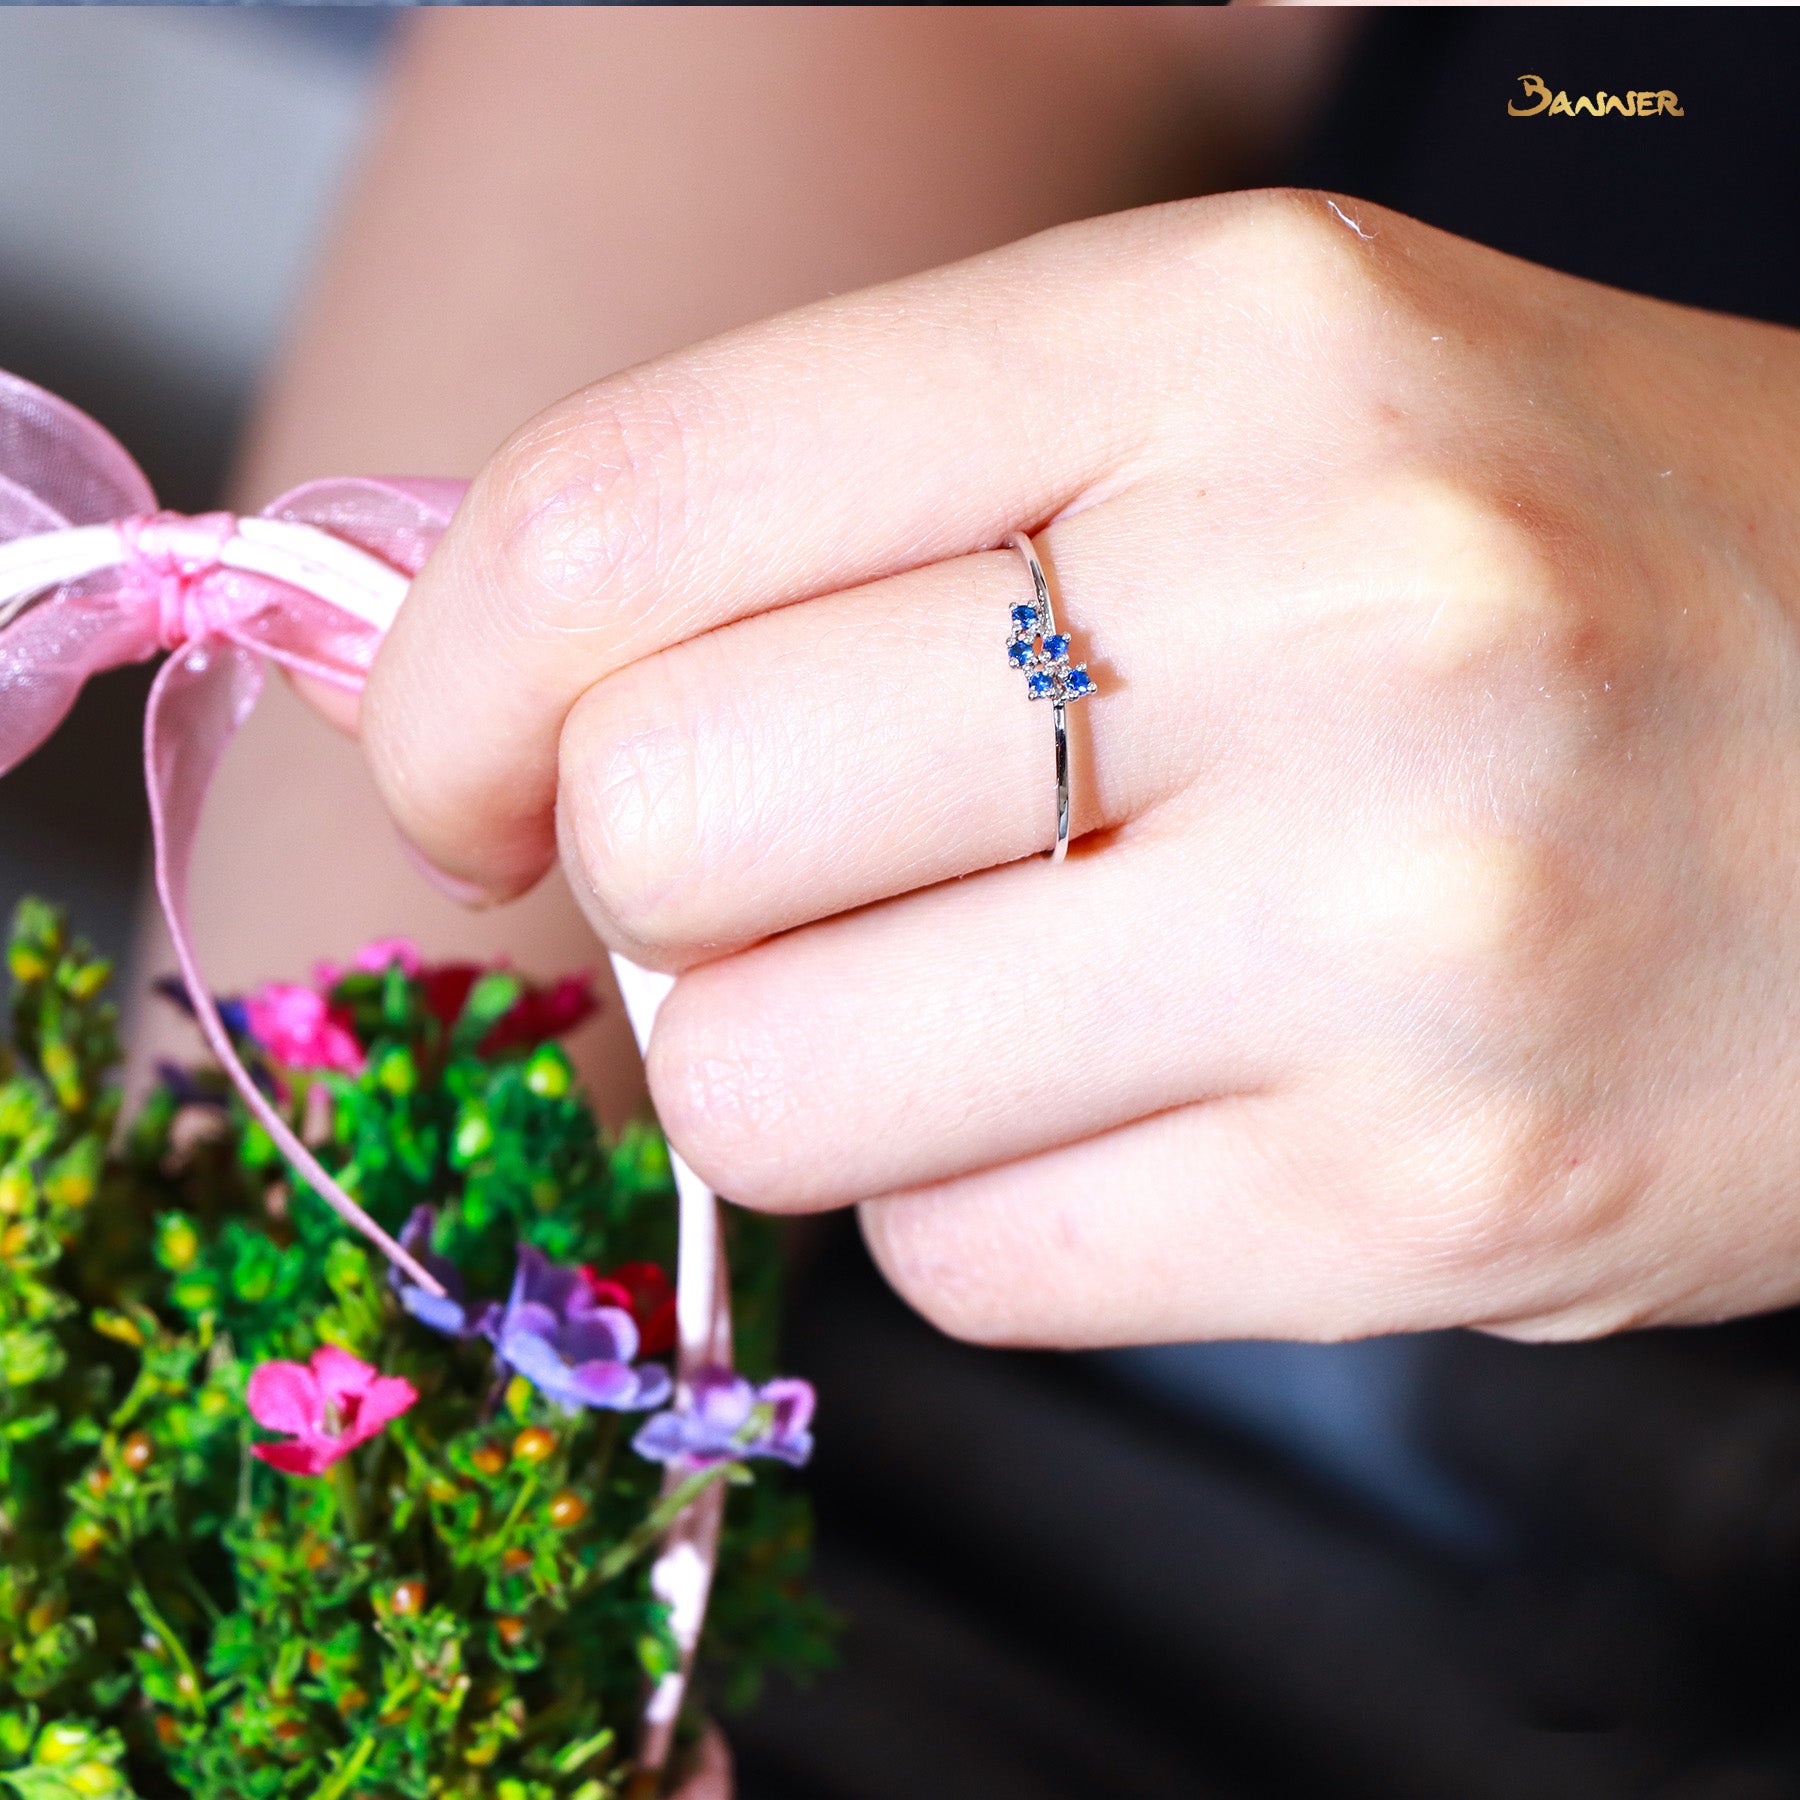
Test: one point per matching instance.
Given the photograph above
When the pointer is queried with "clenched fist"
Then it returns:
(1429, 948)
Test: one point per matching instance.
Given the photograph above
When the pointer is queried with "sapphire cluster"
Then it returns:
(1044, 656)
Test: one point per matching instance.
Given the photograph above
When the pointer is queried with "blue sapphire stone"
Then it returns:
(1056, 646)
(1080, 683)
(1020, 653)
(1024, 617)
(1040, 685)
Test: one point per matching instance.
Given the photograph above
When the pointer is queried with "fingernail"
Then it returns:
(452, 887)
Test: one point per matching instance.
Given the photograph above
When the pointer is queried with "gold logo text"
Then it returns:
(1644, 103)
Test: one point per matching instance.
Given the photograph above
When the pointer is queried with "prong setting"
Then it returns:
(1042, 652)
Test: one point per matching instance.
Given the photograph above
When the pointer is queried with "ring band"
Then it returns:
(1037, 647)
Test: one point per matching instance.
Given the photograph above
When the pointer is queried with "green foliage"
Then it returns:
(460, 1607)
(763, 1616)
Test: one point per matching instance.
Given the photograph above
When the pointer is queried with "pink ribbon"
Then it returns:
(151, 581)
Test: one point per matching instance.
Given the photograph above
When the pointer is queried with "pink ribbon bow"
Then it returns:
(92, 576)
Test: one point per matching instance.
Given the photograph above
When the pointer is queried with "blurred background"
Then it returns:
(1444, 1568)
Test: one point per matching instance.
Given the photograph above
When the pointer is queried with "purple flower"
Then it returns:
(184, 1090)
(448, 1312)
(726, 1419)
(569, 1346)
(231, 1009)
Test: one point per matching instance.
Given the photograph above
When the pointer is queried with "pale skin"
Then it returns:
(1427, 954)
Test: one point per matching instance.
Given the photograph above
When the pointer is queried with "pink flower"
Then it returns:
(327, 1408)
(374, 958)
(302, 1029)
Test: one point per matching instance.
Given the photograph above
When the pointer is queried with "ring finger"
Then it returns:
(813, 759)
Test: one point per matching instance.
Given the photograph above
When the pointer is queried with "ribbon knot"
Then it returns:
(169, 565)
(93, 575)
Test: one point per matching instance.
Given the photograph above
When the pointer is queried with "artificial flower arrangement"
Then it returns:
(274, 1519)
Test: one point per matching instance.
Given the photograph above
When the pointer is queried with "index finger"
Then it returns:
(826, 448)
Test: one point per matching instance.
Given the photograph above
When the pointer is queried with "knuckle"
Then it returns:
(1530, 678)
(1586, 1317)
(1293, 302)
(1509, 585)
(1497, 1204)
(1312, 255)
(1475, 575)
(1501, 1194)
(1487, 903)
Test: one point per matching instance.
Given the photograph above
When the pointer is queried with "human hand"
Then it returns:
(1429, 951)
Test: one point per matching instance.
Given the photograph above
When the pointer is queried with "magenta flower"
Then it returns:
(374, 958)
(301, 1029)
(725, 1419)
(326, 1407)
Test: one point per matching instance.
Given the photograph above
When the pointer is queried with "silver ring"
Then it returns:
(1037, 647)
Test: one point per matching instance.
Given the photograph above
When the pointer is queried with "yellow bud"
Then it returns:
(177, 1244)
(26, 963)
(534, 1444)
(408, 1597)
(74, 1187)
(89, 979)
(398, 1073)
(61, 1743)
(64, 1073)
(548, 1072)
(567, 1509)
(118, 1327)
